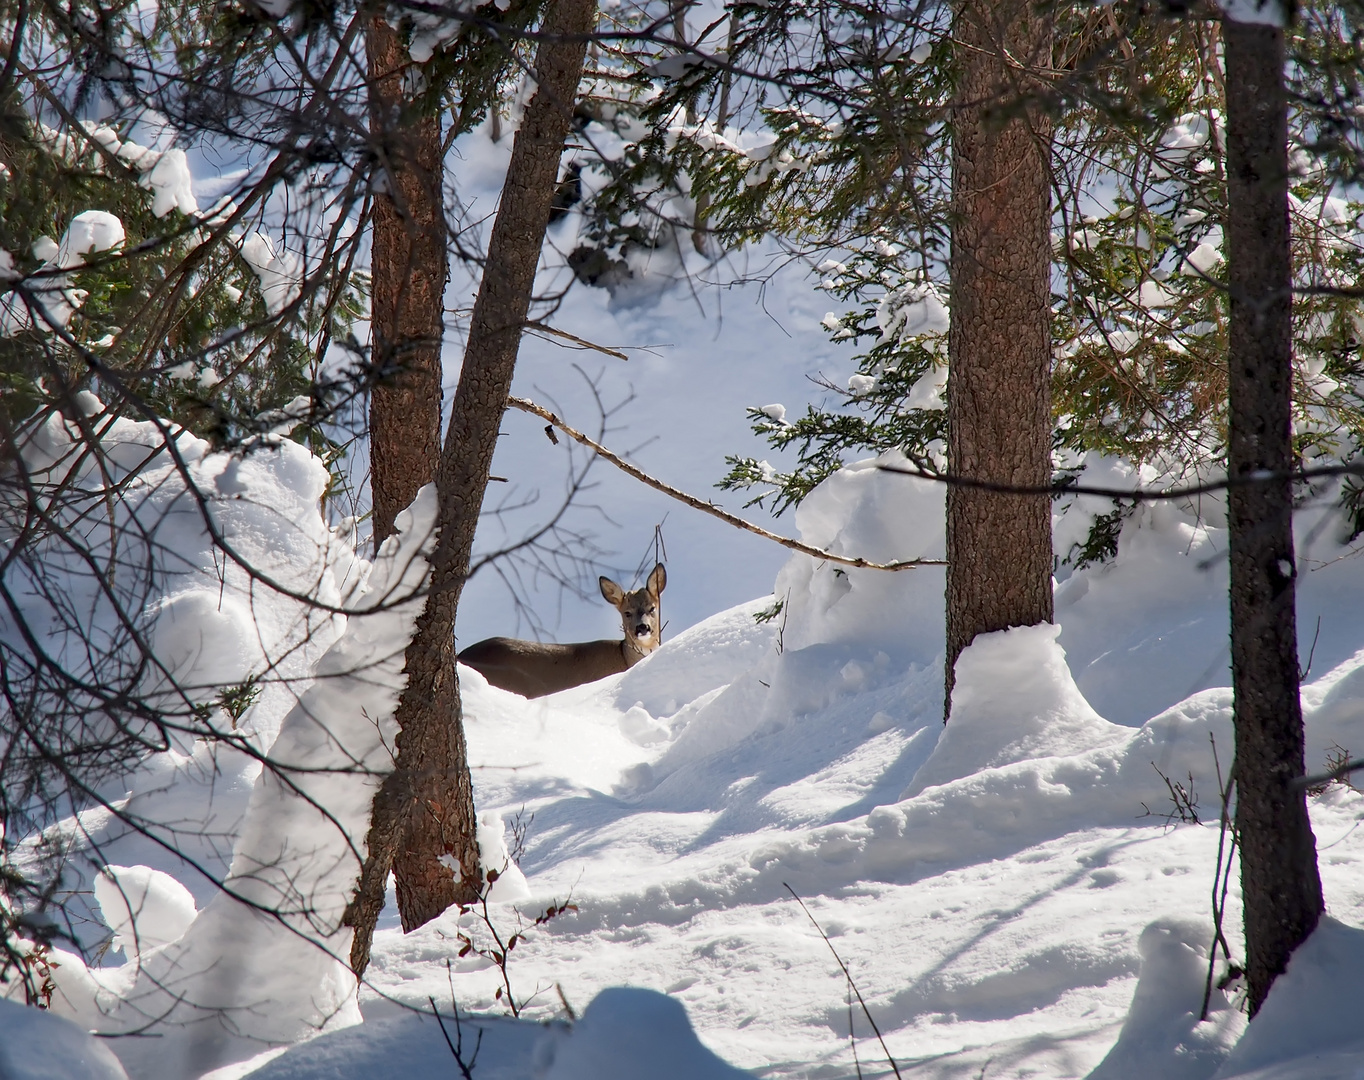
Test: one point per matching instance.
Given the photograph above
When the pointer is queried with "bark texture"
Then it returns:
(1280, 885)
(425, 810)
(999, 556)
(409, 268)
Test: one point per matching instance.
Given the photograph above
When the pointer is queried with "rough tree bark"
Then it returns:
(424, 810)
(999, 556)
(1279, 881)
(409, 268)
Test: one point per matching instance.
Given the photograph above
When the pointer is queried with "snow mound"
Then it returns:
(1162, 1035)
(862, 510)
(1311, 1027)
(1014, 700)
(145, 908)
(632, 1034)
(36, 1045)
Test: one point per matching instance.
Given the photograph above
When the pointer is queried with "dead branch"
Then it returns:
(705, 507)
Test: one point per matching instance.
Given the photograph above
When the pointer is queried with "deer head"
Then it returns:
(639, 613)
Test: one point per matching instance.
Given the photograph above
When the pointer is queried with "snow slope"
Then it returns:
(997, 888)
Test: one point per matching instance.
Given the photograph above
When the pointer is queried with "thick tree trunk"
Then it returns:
(1279, 880)
(409, 268)
(999, 560)
(424, 811)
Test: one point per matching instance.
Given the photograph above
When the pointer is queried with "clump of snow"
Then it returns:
(280, 275)
(1202, 260)
(929, 391)
(912, 310)
(171, 185)
(1191, 132)
(1259, 12)
(145, 908)
(89, 232)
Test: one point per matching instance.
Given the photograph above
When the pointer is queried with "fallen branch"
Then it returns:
(706, 507)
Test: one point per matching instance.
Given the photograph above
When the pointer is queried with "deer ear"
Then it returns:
(658, 580)
(613, 593)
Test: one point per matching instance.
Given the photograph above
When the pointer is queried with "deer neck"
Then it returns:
(633, 653)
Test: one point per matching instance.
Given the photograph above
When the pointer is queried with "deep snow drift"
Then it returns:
(1002, 897)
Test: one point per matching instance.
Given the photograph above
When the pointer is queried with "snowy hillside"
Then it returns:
(1003, 899)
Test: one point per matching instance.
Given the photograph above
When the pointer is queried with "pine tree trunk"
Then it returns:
(1280, 885)
(424, 810)
(409, 268)
(999, 557)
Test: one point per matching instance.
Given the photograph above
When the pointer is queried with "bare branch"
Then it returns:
(639, 474)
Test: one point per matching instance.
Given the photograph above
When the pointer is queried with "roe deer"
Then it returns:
(535, 668)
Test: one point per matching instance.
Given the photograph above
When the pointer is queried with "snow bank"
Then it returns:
(410, 1045)
(987, 883)
(838, 631)
(265, 962)
(624, 1034)
(1311, 1027)
(245, 581)
(1014, 700)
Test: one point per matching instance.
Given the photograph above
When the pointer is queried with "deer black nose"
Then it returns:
(642, 630)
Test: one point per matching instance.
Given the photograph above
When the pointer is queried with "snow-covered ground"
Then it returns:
(1003, 900)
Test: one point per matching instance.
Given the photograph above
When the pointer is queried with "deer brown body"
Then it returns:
(534, 668)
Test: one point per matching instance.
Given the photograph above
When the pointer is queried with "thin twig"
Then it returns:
(1339, 773)
(1221, 877)
(1136, 495)
(466, 1070)
(705, 507)
(847, 975)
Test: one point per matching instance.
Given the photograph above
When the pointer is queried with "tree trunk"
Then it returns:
(424, 810)
(409, 268)
(999, 559)
(1279, 881)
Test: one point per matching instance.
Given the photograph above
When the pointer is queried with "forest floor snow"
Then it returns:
(1013, 894)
